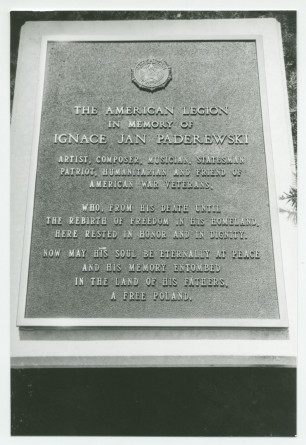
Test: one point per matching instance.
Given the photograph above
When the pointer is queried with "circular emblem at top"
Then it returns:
(151, 74)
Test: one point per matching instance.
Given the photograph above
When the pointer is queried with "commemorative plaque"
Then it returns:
(152, 195)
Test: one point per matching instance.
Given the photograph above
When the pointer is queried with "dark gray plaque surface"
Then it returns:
(230, 177)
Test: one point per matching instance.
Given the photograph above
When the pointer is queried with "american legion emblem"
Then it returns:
(151, 74)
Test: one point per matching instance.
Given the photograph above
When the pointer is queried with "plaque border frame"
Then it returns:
(281, 322)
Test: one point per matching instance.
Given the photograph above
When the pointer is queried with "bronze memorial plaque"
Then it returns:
(151, 196)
